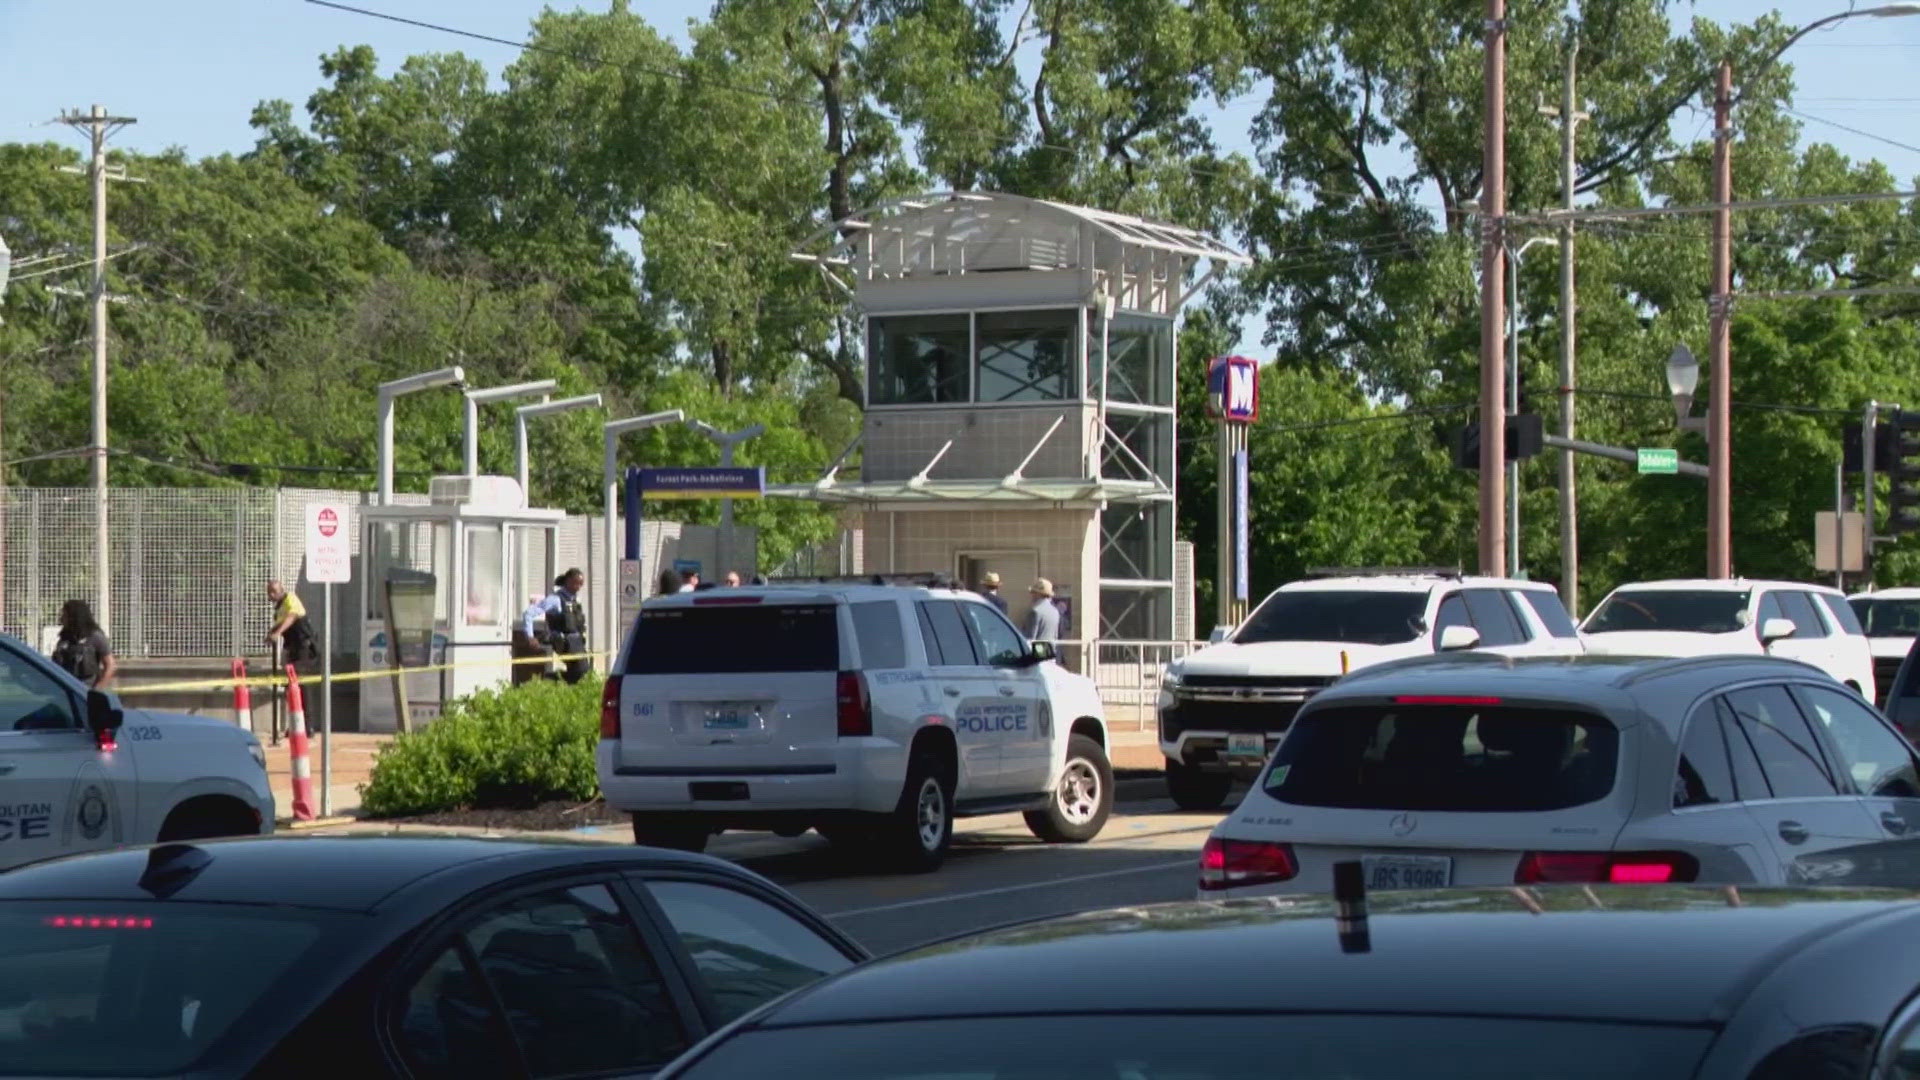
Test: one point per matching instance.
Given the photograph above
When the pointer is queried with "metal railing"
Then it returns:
(1127, 674)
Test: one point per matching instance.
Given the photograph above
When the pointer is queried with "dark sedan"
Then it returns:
(1567, 983)
(382, 957)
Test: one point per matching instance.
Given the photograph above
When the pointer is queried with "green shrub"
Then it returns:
(504, 749)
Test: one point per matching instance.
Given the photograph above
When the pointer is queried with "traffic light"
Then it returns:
(1852, 460)
(1526, 436)
(1903, 472)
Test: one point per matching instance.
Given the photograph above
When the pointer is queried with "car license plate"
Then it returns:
(730, 717)
(1408, 871)
(1246, 744)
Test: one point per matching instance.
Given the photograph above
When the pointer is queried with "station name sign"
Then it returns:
(704, 483)
(1233, 389)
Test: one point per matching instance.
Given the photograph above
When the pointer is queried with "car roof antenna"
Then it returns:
(1350, 914)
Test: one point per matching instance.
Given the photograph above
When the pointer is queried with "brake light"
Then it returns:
(1618, 868)
(1231, 864)
(855, 707)
(99, 922)
(1445, 699)
(610, 708)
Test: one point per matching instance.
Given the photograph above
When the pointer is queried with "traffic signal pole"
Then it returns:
(1869, 423)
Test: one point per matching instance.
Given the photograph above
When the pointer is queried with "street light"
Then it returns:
(387, 391)
(727, 440)
(477, 398)
(1513, 390)
(1683, 378)
(526, 412)
(610, 480)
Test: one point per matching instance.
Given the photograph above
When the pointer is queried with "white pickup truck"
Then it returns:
(78, 772)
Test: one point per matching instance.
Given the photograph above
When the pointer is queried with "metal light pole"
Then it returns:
(1513, 391)
(610, 482)
(526, 412)
(387, 391)
(727, 440)
(477, 398)
(1493, 209)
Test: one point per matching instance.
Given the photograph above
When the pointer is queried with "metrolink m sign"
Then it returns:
(1233, 389)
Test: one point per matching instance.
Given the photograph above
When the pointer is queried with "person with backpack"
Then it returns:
(291, 631)
(82, 649)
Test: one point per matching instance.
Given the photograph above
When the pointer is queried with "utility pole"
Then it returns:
(100, 126)
(1493, 209)
(1569, 118)
(1720, 303)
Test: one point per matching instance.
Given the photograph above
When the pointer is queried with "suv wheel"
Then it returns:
(1078, 807)
(920, 829)
(1193, 788)
(677, 832)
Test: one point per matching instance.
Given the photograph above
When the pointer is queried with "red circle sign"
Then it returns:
(328, 521)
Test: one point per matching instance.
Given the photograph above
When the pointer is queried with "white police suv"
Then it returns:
(79, 773)
(875, 714)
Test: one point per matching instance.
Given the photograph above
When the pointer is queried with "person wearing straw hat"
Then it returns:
(990, 591)
(1043, 619)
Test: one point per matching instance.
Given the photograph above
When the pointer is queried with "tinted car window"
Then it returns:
(735, 638)
(1843, 615)
(1748, 781)
(1453, 612)
(1131, 1046)
(747, 951)
(1879, 761)
(997, 640)
(876, 628)
(1705, 776)
(1553, 614)
(1494, 617)
(139, 989)
(580, 992)
(31, 699)
(950, 630)
(1783, 742)
(1888, 618)
(1444, 757)
(1704, 611)
(1798, 607)
(448, 1029)
(1366, 618)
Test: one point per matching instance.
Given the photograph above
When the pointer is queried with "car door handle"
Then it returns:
(1894, 822)
(7, 767)
(1007, 691)
(951, 691)
(1793, 832)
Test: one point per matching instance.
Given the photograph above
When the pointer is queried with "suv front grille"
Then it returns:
(1884, 669)
(1267, 716)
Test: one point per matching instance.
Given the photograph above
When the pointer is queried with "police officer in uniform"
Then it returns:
(567, 623)
(530, 643)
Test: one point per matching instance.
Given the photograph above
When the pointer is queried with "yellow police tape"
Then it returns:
(352, 676)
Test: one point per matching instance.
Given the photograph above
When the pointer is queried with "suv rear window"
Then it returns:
(735, 639)
(1485, 758)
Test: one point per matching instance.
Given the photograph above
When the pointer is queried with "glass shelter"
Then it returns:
(1019, 398)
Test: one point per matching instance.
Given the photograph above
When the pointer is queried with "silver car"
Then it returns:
(1475, 770)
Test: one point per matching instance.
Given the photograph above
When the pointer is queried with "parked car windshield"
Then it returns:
(1203, 1047)
(1888, 618)
(1362, 618)
(141, 989)
(1487, 758)
(1703, 611)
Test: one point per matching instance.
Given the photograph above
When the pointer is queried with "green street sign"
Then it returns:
(1659, 460)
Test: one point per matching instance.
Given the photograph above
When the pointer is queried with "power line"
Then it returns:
(1854, 130)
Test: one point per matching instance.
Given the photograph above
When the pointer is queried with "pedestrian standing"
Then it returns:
(291, 633)
(691, 582)
(1043, 620)
(733, 579)
(990, 591)
(669, 582)
(82, 649)
(532, 643)
(567, 623)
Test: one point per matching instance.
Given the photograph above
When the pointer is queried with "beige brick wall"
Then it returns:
(988, 441)
(1065, 542)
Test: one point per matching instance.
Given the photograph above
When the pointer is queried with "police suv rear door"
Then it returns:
(732, 682)
(59, 792)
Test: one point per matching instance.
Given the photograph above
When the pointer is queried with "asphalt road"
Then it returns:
(997, 873)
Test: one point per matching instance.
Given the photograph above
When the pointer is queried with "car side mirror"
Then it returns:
(1776, 629)
(1219, 634)
(103, 718)
(1455, 638)
(1040, 652)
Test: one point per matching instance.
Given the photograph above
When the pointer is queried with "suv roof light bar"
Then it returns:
(1383, 571)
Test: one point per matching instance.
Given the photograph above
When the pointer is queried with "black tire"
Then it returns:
(1078, 806)
(1195, 789)
(914, 838)
(672, 831)
(208, 818)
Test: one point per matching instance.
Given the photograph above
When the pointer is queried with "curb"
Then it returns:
(317, 823)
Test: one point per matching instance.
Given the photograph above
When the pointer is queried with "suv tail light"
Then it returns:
(855, 707)
(610, 708)
(1614, 867)
(1230, 864)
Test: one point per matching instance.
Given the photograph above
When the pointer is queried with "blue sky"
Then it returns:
(191, 70)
